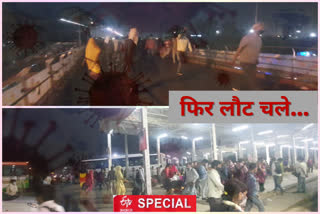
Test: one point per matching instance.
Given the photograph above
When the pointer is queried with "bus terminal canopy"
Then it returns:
(227, 137)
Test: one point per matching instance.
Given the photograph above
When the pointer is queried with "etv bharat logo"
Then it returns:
(125, 201)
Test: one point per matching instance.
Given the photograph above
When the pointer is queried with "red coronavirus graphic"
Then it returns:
(17, 149)
(115, 114)
(114, 88)
(223, 79)
(24, 38)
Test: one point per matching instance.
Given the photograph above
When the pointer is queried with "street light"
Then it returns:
(71, 22)
(114, 31)
(298, 31)
(313, 35)
(251, 31)
(217, 32)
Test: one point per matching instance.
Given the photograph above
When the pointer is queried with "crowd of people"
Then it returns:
(121, 54)
(226, 186)
(229, 186)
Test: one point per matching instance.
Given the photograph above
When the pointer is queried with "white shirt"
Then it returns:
(50, 206)
(251, 46)
(12, 189)
(215, 187)
(47, 180)
(301, 168)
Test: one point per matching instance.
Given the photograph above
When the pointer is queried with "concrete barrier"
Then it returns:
(297, 70)
(27, 87)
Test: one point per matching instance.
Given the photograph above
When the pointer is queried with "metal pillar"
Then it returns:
(126, 151)
(253, 147)
(221, 156)
(158, 151)
(267, 154)
(236, 156)
(214, 143)
(306, 151)
(281, 152)
(240, 151)
(146, 152)
(256, 16)
(109, 152)
(278, 149)
(289, 157)
(193, 150)
(294, 158)
(315, 157)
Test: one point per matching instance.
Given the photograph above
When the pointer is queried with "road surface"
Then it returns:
(163, 76)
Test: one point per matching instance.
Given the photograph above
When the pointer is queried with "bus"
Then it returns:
(135, 161)
(20, 170)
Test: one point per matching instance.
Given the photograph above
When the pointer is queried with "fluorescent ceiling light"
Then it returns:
(239, 128)
(282, 136)
(307, 126)
(265, 132)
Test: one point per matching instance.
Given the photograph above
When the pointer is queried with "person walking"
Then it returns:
(301, 172)
(150, 45)
(202, 182)
(120, 188)
(190, 180)
(234, 196)
(310, 165)
(100, 177)
(249, 50)
(112, 180)
(253, 197)
(45, 198)
(130, 46)
(215, 187)
(261, 176)
(174, 50)
(183, 44)
(240, 171)
(277, 172)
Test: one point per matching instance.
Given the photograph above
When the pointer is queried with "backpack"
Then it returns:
(278, 169)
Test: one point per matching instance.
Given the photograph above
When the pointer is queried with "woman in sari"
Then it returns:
(120, 188)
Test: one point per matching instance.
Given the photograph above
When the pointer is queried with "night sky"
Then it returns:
(158, 17)
(72, 130)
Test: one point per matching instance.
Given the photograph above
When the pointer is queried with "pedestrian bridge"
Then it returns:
(56, 82)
